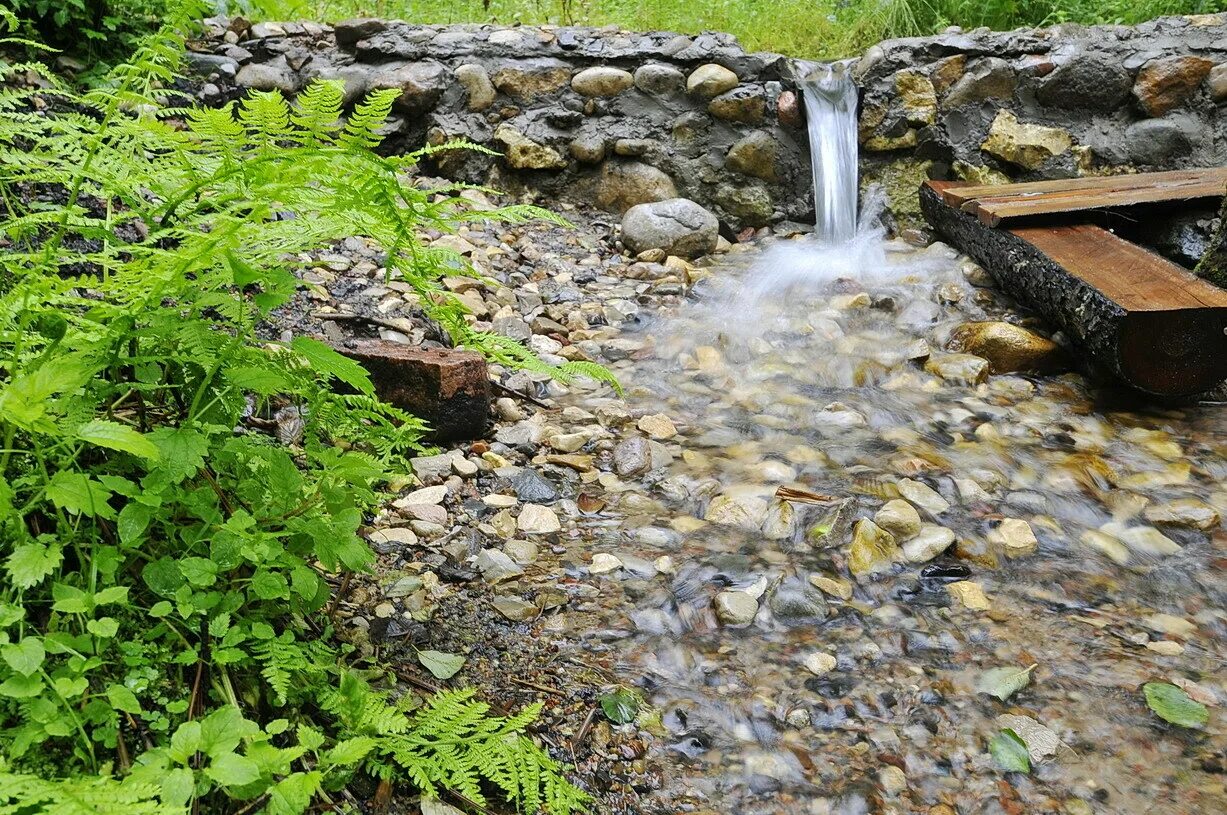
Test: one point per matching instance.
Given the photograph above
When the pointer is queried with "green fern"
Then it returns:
(25, 794)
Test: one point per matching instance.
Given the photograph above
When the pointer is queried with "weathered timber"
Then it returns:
(448, 389)
(1139, 316)
(994, 205)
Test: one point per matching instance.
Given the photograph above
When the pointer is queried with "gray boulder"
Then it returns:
(677, 225)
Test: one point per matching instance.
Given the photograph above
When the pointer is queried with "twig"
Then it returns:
(804, 496)
(542, 688)
(583, 730)
(513, 392)
(340, 595)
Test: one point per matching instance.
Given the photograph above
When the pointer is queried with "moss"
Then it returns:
(900, 181)
(1213, 264)
(979, 174)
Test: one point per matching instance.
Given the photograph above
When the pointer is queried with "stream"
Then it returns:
(1034, 522)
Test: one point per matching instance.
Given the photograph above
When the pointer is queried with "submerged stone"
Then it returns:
(873, 549)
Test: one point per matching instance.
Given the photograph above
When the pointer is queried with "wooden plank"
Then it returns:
(994, 211)
(959, 194)
(1132, 313)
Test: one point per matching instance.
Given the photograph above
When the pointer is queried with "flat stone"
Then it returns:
(1142, 539)
(918, 96)
(987, 78)
(835, 587)
(657, 426)
(535, 519)
(747, 105)
(527, 80)
(496, 566)
(268, 76)
(448, 389)
(632, 456)
(1165, 84)
(521, 551)
(819, 663)
(601, 80)
(532, 487)
(744, 511)
(930, 542)
(426, 495)
(515, 609)
(736, 608)
(678, 226)
(923, 496)
(1186, 512)
(420, 84)
(603, 563)
(710, 80)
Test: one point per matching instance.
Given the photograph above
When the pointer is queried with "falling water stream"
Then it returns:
(818, 367)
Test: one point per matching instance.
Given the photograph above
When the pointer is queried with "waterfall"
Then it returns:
(830, 108)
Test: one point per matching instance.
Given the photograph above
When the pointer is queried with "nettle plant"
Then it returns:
(165, 612)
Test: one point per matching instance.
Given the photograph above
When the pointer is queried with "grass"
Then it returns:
(818, 29)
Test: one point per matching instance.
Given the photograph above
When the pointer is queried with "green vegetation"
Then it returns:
(166, 567)
(803, 28)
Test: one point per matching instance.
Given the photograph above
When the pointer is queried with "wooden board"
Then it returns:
(1133, 313)
(996, 204)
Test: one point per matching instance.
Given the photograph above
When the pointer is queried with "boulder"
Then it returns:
(710, 80)
(678, 226)
(1008, 347)
(625, 184)
(268, 76)
(1165, 84)
(1162, 142)
(601, 80)
(736, 607)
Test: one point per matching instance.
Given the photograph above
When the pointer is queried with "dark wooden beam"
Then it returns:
(1137, 315)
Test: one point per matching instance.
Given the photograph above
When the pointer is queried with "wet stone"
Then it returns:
(873, 549)
(496, 567)
(533, 488)
(736, 608)
(929, 542)
(899, 518)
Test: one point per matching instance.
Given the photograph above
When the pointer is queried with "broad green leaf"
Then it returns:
(10, 613)
(178, 786)
(116, 436)
(31, 562)
(123, 699)
(161, 609)
(1004, 682)
(185, 741)
(223, 729)
(70, 599)
(132, 522)
(293, 794)
(1172, 704)
(441, 665)
(199, 571)
(21, 687)
(183, 450)
(79, 494)
(1010, 752)
(163, 576)
(324, 360)
(26, 656)
(114, 594)
(269, 585)
(233, 770)
(103, 627)
(621, 706)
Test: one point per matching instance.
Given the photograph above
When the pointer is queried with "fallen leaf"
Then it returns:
(621, 706)
(1010, 752)
(1004, 682)
(440, 664)
(1171, 704)
(1041, 741)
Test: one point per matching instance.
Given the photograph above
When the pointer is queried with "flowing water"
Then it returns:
(830, 109)
(1080, 532)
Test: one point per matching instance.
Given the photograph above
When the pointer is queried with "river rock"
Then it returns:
(1144, 539)
(742, 511)
(930, 542)
(1015, 537)
(899, 518)
(1008, 347)
(659, 80)
(923, 496)
(736, 608)
(960, 369)
(496, 566)
(522, 552)
(527, 80)
(658, 426)
(747, 105)
(677, 225)
(533, 488)
(873, 549)
(819, 663)
(1187, 512)
(710, 80)
(1217, 82)
(988, 78)
(1089, 80)
(514, 608)
(755, 155)
(1167, 83)
(632, 456)
(601, 80)
(795, 600)
(603, 563)
(969, 594)
(535, 519)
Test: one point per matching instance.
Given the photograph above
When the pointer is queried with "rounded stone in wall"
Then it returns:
(420, 84)
(755, 155)
(745, 104)
(1158, 142)
(658, 79)
(589, 149)
(710, 80)
(1088, 81)
(623, 184)
(601, 80)
(477, 85)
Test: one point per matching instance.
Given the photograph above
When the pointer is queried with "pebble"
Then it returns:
(603, 563)
(930, 542)
(899, 518)
(496, 567)
(522, 552)
(923, 496)
(515, 608)
(892, 779)
(969, 594)
(819, 663)
(426, 496)
(873, 549)
(535, 519)
(1015, 537)
(657, 426)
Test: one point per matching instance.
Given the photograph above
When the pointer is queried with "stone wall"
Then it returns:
(615, 118)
